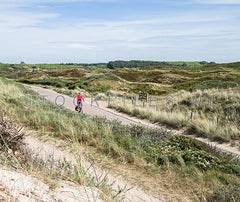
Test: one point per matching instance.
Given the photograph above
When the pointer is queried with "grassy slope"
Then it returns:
(194, 168)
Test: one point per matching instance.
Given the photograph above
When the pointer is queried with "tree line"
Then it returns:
(141, 64)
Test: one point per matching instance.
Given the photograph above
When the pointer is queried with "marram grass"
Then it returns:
(128, 144)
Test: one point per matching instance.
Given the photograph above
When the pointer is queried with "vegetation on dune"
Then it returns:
(15, 155)
(137, 145)
(155, 79)
(215, 113)
(10, 134)
(194, 167)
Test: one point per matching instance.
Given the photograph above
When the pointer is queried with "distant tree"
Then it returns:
(22, 63)
(203, 62)
(111, 65)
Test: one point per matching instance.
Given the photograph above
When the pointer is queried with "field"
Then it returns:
(185, 166)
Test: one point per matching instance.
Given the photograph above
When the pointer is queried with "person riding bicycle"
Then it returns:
(80, 99)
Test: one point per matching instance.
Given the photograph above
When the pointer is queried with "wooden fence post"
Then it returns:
(191, 116)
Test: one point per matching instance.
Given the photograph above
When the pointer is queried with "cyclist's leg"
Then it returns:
(78, 104)
(80, 107)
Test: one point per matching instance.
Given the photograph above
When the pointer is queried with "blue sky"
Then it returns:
(88, 31)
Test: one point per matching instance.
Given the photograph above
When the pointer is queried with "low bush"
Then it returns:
(11, 135)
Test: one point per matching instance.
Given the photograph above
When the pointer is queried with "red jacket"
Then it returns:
(80, 98)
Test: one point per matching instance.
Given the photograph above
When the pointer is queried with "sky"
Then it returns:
(89, 31)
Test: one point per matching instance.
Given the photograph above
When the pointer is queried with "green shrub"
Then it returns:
(216, 84)
(59, 83)
(103, 77)
(103, 88)
(227, 193)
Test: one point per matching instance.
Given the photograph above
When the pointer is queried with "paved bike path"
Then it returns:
(124, 118)
(93, 110)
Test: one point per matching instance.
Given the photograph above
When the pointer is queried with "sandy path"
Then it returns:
(22, 187)
(50, 150)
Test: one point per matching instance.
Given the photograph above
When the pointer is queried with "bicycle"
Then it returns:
(79, 108)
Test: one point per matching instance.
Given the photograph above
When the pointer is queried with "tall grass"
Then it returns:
(218, 122)
(14, 154)
(148, 149)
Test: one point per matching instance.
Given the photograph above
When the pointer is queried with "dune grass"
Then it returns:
(218, 121)
(193, 166)
(14, 155)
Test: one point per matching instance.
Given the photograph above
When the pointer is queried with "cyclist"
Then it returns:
(80, 99)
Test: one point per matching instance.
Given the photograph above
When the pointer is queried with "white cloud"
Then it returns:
(219, 1)
(143, 45)
(20, 19)
(13, 17)
(25, 2)
(80, 46)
